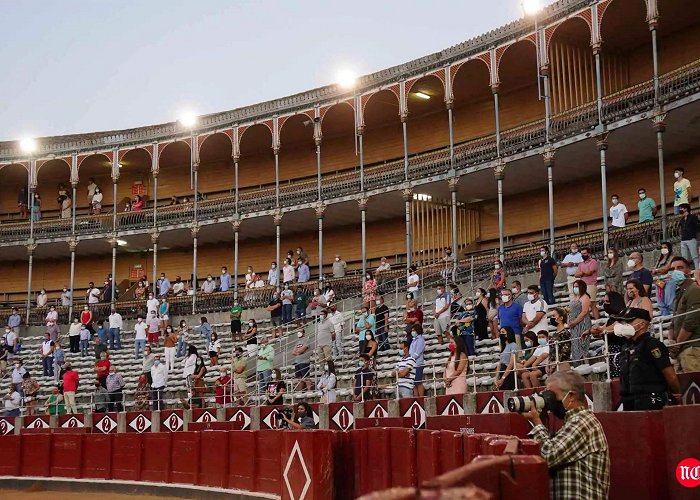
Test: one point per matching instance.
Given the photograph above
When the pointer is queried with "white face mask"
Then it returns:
(337, 259)
(514, 290)
(496, 266)
(574, 250)
(505, 298)
(378, 302)
(469, 307)
(528, 343)
(615, 201)
(624, 330)
(664, 251)
(642, 196)
(575, 290)
(273, 266)
(543, 253)
(300, 334)
(611, 255)
(209, 278)
(274, 376)
(677, 175)
(530, 297)
(631, 263)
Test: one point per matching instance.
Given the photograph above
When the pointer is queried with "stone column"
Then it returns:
(407, 194)
(602, 145)
(659, 124)
(362, 203)
(277, 219)
(320, 209)
(72, 245)
(31, 247)
(194, 230)
(113, 245)
(499, 171)
(497, 114)
(549, 163)
(404, 119)
(236, 223)
(452, 184)
(155, 237)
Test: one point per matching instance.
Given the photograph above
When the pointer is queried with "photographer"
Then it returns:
(577, 455)
(303, 420)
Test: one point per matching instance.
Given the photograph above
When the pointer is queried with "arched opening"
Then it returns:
(428, 127)
(173, 174)
(679, 34)
(97, 168)
(134, 176)
(518, 96)
(297, 154)
(257, 163)
(53, 177)
(216, 176)
(14, 178)
(382, 137)
(473, 114)
(338, 148)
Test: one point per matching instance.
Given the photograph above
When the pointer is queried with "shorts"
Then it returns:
(300, 313)
(164, 317)
(153, 337)
(302, 370)
(419, 375)
(469, 344)
(235, 326)
(213, 354)
(239, 385)
(276, 321)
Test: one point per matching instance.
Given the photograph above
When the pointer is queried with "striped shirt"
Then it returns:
(410, 363)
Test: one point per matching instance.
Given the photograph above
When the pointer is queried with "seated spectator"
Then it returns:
(173, 201)
(639, 272)
(457, 367)
(222, 388)
(383, 266)
(127, 207)
(534, 368)
(276, 388)
(209, 285)
(303, 419)
(405, 372)
(258, 281)
(364, 380)
(327, 382)
(100, 398)
(637, 297)
(54, 403)
(505, 376)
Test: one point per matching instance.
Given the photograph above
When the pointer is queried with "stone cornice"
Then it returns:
(303, 101)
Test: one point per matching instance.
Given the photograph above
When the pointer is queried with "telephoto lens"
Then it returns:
(522, 404)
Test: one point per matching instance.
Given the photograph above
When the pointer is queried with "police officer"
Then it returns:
(646, 374)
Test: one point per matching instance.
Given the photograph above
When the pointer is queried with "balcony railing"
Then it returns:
(674, 85)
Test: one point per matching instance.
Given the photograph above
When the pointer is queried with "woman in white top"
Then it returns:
(214, 349)
(249, 278)
(52, 315)
(42, 298)
(413, 283)
(97, 201)
(190, 362)
(327, 382)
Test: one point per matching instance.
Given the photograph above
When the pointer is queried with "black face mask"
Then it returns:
(585, 257)
(553, 322)
(555, 406)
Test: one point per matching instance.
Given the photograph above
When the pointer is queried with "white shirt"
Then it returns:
(65, 298)
(115, 320)
(576, 259)
(46, 346)
(178, 287)
(52, 316)
(259, 283)
(14, 402)
(140, 331)
(441, 301)
(617, 214)
(41, 300)
(74, 329)
(208, 286)
(272, 276)
(94, 296)
(190, 364)
(539, 350)
(159, 375)
(288, 273)
(338, 321)
(152, 305)
(97, 198)
(11, 338)
(215, 346)
(383, 267)
(530, 310)
(413, 281)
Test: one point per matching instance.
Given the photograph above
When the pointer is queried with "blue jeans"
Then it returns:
(115, 341)
(139, 346)
(181, 347)
(264, 378)
(547, 290)
(84, 344)
(668, 294)
(286, 313)
(208, 337)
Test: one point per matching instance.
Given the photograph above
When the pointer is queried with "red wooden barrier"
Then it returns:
(414, 409)
(403, 457)
(10, 452)
(451, 450)
(378, 468)
(307, 471)
(499, 423)
(428, 454)
(449, 405)
(368, 422)
(184, 457)
(267, 461)
(361, 465)
(66, 455)
(682, 432)
(343, 459)
(126, 456)
(242, 463)
(36, 455)
(97, 456)
(155, 466)
(213, 459)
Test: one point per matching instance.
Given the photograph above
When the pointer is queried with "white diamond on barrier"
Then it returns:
(173, 422)
(271, 419)
(453, 408)
(378, 412)
(140, 423)
(296, 452)
(343, 418)
(493, 404)
(241, 416)
(417, 413)
(106, 425)
(72, 423)
(38, 423)
(6, 427)
(206, 416)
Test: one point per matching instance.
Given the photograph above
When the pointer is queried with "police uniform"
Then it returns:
(643, 385)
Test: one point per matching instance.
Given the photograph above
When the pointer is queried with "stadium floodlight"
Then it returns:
(121, 243)
(422, 95)
(188, 119)
(531, 7)
(28, 145)
(346, 78)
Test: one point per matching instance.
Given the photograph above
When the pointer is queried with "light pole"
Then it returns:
(29, 147)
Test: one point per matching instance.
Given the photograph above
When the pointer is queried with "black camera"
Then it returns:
(281, 423)
(522, 404)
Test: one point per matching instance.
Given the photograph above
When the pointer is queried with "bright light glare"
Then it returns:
(188, 119)
(121, 243)
(346, 78)
(531, 7)
(28, 145)
(422, 95)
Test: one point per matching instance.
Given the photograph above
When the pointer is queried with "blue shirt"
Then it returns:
(164, 286)
(14, 320)
(225, 282)
(417, 348)
(367, 323)
(510, 316)
(507, 351)
(304, 274)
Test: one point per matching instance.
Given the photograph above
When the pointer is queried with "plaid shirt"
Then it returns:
(577, 457)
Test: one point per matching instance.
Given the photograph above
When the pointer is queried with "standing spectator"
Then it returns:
(613, 271)
(209, 285)
(301, 301)
(179, 287)
(53, 330)
(14, 319)
(302, 255)
(249, 275)
(70, 387)
(548, 271)
(102, 333)
(383, 267)
(535, 311)
(302, 362)
(646, 207)
(4, 353)
(580, 321)
(381, 314)
(498, 276)
(12, 341)
(456, 369)
(682, 192)
(276, 388)
(339, 267)
(413, 283)
(93, 294)
(570, 263)
(287, 297)
(91, 189)
(618, 212)
(42, 298)
(275, 309)
(416, 350)
(369, 290)
(23, 202)
(562, 337)
(222, 388)
(86, 318)
(100, 399)
(142, 394)
(689, 226)
(505, 376)
(364, 380)
(159, 377)
(136, 205)
(225, 280)
(263, 366)
(30, 389)
(303, 273)
(287, 271)
(54, 403)
(214, 349)
(588, 272)
(84, 341)
(665, 286)
(18, 374)
(59, 357)
(405, 372)
(169, 346)
(65, 297)
(509, 314)
(139, 337)
(441, 323)
(66, 208)
(182, 337)
(327, 382)
(251, 337)
(13, 402)
(273, 275)
(148, 359)
(115, 328)
(205, 330)
(365, 323)
(324, 338)
(164, 314)
(465, 327)
(99, 348)
(115, 385)
(639, 272)
(46, 351)
(519, 296)
(686, 327)
(235, 314)
(412, 317)
(328, 293)
(74, 335)
(239, 376)
(140, 291)
(449, 262)
(96, 202)
(153, 328)
(36, 208)
(163, 286)
(318, 302)
(371, 348)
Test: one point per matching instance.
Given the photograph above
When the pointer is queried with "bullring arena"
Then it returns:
(317, 233)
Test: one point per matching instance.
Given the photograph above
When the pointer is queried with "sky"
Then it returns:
(74, 66)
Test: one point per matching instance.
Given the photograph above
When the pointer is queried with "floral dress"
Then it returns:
(579, 345)
(369, 292)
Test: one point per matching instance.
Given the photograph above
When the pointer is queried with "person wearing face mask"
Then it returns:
(102, 367)
(303, 419)
(548, 271)
(152, 304)
(618, 212)
(65, 297)
(577, 455)
(457, 368)
(534, 311)
(287, 297)
(276, 388)
(364, 380)
(251, 337)
(413, 283)
(159, 377)
(381, 314)
(371, 347)
(179, 287)
(222, 388)
(613, 271)
(441, 312)
(561, 351)
(235, 314)
(327, 382)
(686, 327)
(405, 371)
(302, 362)
(509, 314)
(12, 402)
(665, 286)
(54, 403)
(689, 227)
(265, 357)
(613, 305)
(115, 385)
(41, 298)
(303, 271)
(140, 336)
(224, 280)
(646, 206)
(339, 267)
(273, 274)
(449, 263)
(647, 378)
(383, 266)
(570, 264)
(498, 275)
(324, 337)
(4, 354)
(369, 290)
(208, 285)
(639, 272)
(366, 322)
(465, 327)
(588, 272)
(100, 399)
(288, 271)
(580, 321)
(682, 191)
(274, 307)
(505, 375)
(535, 366)
(481, 306)
(518, 295)
(413, 315)
(238, 368)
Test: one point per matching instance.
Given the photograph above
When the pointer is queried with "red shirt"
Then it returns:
(223, 394)
(137, 206)
(418, 314)
(70, 381)
(103, 367)
(85, 317)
